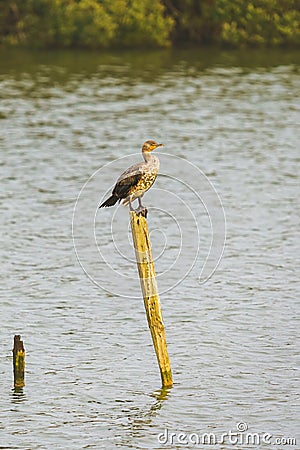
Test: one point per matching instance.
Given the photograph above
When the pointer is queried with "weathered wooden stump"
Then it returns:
(142, 245)
(18, 362)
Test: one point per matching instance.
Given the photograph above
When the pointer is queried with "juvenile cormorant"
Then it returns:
(135, 181)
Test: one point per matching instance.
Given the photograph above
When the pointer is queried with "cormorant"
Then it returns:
(135, 181)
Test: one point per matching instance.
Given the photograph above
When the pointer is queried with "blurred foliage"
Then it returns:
(236, 22)
(271, 22)
(195, 20)
(85, 23)
(148, 23)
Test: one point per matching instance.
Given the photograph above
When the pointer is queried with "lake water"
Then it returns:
(230, 125)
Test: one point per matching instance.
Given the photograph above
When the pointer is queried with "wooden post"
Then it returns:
(141, 240)
(18, 362)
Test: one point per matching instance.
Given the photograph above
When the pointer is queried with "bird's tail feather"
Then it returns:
(112, 200)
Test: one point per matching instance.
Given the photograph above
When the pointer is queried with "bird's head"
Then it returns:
(149, 146)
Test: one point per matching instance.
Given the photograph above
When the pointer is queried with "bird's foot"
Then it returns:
(142, 211)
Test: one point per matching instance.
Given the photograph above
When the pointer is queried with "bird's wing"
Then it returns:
(128, 180)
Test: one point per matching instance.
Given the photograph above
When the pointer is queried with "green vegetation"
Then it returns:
(236, 22)
(148, 23)
(85, 23)
(272, 22)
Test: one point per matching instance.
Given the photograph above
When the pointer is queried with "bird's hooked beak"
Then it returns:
(149, 146)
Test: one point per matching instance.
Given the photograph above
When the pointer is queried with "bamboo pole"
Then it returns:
(141, 240)
(18, 362)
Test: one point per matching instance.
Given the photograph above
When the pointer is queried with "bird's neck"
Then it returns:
(149, 157)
